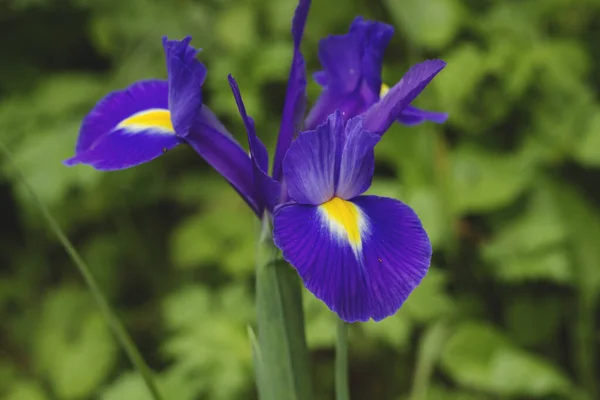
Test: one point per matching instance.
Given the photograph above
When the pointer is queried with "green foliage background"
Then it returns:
(507, 189)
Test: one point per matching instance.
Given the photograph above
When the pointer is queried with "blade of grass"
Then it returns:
(118, 330)
(342, 389)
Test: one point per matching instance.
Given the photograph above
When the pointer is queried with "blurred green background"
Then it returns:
(507, 189)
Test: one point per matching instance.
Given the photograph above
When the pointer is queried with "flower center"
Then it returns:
(155, 118)
(384, 90)
(344, 219)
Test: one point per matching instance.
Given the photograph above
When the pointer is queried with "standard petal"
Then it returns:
(352, 70)
(374, 38)
(361, 258)
(415, 116)
(357, 162)
(350, 105)
(294, 106)
(309, 166)
(218, 147)
(127, 128)
(267, 190)
(341, 57)
(380, 116)
(186, 76)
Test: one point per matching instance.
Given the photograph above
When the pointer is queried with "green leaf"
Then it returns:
(320, 324)
(429, 23)
(236, 28)
(588, 149)
(74, 348)
(430, 348)
(26, 390)
(208, 342)
(531, 246)
(483, 181)
(280, 321)
(429, 301)
(206, 239)
(480, 357)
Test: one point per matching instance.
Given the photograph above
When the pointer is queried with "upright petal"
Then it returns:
(217, 146)
(415, 116)
(186, 76)
(341, 57)
(266, 188)
(294, 106)
(380, 116)
(311, 164)
(351, 73)
(361, 258)
(374, 37)
(357, 162)
(127, 128)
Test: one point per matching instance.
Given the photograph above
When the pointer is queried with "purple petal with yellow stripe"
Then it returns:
(186, 76)
(127, 128)
(266, 188)
(294, 106)
(362, 257)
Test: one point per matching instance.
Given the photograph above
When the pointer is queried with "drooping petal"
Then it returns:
(310, 165)
(380, 116)
(186, 76)
(397, 254)
(294, 106)
(415, 116)
(127, 128)
(266, 188)
(361, 258)
(217, 146)
(357, 162)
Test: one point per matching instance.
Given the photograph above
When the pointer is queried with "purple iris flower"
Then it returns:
(361, 255)
(351, 76)
(135, 125)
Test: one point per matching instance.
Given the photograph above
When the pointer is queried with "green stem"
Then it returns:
(283, 371)
(118, 330)
(342, 390)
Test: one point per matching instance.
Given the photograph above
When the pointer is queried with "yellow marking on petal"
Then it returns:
(384, 90)
(345, 218)
(157, 118)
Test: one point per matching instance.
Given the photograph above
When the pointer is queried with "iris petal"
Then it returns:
(374, 37)
(370, 279)
(357, 162)
(380, 116)
(310, 164)
(186, 76)
(351, 74)
(217, 146)
(127, 128)
(294, 106)
(414, 116)
(267, 190)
